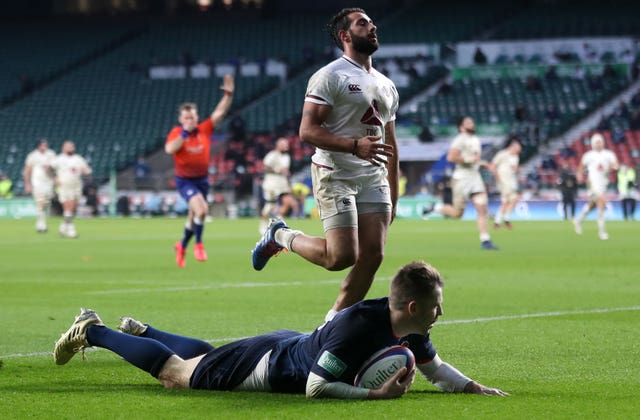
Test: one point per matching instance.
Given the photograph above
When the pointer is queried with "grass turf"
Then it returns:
(568, 360)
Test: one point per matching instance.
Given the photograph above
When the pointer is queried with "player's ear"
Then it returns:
(344, 36)
(412, 307)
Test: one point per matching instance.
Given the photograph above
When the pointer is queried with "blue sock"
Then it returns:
(185, 347)
(197, 230)
(186, 236)
(144, 353)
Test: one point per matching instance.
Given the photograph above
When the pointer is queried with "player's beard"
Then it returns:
(362, 44)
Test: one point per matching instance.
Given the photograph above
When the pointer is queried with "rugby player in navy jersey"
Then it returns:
(321, 364)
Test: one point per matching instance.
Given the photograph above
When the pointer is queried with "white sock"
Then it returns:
(485, 237)
(197, 221)
(583, 214)
(438, 206)
(601, 221)
(498, 218)
(284, 237)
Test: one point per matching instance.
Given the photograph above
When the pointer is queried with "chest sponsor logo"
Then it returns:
(372, 115)
(332, 364)
(354, 88)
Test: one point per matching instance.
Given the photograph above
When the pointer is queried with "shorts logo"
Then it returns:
(332, 364)
(189, 191)
(355, 88)
(346, 202)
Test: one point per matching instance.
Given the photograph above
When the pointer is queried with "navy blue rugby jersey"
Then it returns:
(336, 350)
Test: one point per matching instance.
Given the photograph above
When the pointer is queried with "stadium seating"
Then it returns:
(571, 19)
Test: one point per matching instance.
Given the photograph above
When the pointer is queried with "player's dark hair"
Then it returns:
(415, 281)
(461, 119)
(341, 22)
(187, 106)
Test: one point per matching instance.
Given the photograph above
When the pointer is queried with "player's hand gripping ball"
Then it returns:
(382, 365)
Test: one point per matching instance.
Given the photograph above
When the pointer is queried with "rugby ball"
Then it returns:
(384, 364)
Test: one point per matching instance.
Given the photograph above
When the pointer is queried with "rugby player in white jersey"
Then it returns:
(598, 162)
(467, 183)
(38, 181)
(69, 167)
(276, 188)
(505, 168)
(349, 116)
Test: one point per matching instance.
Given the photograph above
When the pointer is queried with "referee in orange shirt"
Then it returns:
(190, 144)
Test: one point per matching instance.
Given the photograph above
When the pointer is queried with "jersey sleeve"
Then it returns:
(345, 351)
(173, 134)
(321, 88)
(457, 142)
(497, 159)
(206, 127)
(421, 347)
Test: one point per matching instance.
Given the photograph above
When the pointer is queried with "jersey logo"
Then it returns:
(372, 115)
(332, 364)
(354, 88)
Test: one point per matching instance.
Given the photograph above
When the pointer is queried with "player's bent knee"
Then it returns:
(340, 262)
(480, 199)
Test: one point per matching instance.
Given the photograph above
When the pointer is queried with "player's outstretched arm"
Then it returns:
(228, 87)
(449, 379)
(475, 388)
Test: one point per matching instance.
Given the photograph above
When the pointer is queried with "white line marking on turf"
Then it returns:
(451, 322)
(221, 286)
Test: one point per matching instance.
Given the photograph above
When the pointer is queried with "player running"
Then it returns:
(467, 183)
(505, 168)
(190, 144)
(69, 167)
(349, 115)
(39, 181)
(598, 162)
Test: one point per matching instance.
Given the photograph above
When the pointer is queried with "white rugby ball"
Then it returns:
(384, 364)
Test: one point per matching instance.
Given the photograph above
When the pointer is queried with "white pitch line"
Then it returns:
(221, 286)
(451, 322)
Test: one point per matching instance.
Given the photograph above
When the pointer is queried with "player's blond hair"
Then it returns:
(415, 281)
(187, 106)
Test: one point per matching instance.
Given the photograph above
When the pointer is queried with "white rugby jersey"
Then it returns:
(40, 163)
(276, 162)
(506, 165)
(69, 169)
(363, 103)
(469, 146)
(599, 164)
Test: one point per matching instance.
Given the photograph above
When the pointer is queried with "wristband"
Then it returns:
(228, 93)
(184, 133)
(354, 152)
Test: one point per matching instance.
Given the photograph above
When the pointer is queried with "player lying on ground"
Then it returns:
(321, 364)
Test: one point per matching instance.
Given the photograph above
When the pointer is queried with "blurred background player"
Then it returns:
(349, 115)
(505, 168)
(190, 144)
(627, 191)
(598, 162)
(39, 181)
(69, 167)
(568, 185)
(466, 181)
(6, 186)
(276, 189)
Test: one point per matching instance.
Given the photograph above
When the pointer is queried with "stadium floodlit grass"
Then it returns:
(551, 318)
